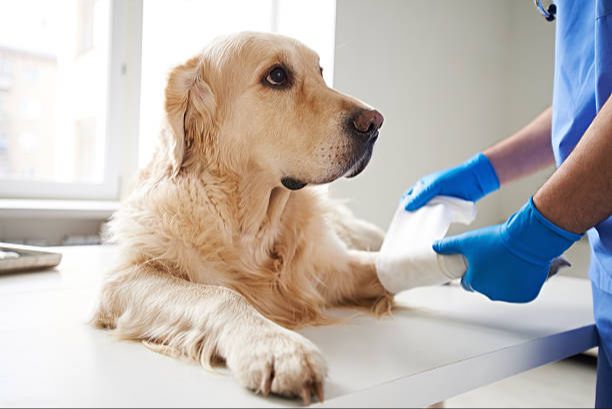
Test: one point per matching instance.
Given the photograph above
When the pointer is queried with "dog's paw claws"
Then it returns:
(284, 364)
(319, 392)
(306, 394)
(266, 381)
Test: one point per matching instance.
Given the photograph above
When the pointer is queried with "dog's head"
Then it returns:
(259, 101)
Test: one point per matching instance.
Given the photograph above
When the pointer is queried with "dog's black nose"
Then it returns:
(366, 123)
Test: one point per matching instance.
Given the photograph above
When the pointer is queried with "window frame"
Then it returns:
(122, 119)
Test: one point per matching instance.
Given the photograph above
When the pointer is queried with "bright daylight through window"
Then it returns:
(53, 89)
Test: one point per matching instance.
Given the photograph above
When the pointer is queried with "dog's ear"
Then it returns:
(190, 106)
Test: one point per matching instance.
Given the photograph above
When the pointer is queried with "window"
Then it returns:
(5, 73)
(86, 19)
(2, 105)
(3, 142)
(49, 90)
(86, 161)
(3, 151)
(31, 75)
(82, 81)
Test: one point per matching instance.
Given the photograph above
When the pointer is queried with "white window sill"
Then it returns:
(65, 209)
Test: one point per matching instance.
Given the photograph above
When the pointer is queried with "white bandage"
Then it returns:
(407, 260)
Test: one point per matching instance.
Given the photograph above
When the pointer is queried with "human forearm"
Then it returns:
(579, 194)
(525, 152)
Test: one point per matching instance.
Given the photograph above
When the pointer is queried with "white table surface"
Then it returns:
(444, 342)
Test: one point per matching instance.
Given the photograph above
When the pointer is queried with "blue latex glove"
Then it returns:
(471, 180)
(510, 261)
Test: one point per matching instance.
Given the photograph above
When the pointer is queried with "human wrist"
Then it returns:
(484, 173)
(530, 235)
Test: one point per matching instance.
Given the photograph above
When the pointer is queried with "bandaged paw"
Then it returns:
(407, 260)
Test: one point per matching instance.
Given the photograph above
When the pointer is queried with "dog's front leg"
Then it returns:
(357, 234)
(368, 290)
(207, 323)
(354, 281)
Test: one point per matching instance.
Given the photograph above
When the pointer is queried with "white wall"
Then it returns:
(447, 76)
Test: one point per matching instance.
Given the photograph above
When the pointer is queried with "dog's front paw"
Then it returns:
(280, 362)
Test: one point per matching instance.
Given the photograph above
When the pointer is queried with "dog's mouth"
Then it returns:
(360, 165)
(293, 184)
(351, 171)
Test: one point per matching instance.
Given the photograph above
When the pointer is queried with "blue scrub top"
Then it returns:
(583, 84)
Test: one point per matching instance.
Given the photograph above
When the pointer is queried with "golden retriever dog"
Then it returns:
(225, 246)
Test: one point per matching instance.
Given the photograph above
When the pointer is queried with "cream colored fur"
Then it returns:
(219, 261)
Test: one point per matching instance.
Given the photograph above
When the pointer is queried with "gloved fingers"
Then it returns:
(420, 194)
(449, 245)
(454, 245)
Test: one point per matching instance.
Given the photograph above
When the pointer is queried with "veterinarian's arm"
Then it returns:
(510, 262)
(579, 194)
(525, 152)
(521, 154)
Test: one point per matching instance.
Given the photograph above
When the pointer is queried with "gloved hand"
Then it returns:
(471, 181)
(510, 262)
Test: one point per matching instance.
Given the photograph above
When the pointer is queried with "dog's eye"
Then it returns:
(277, 77)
